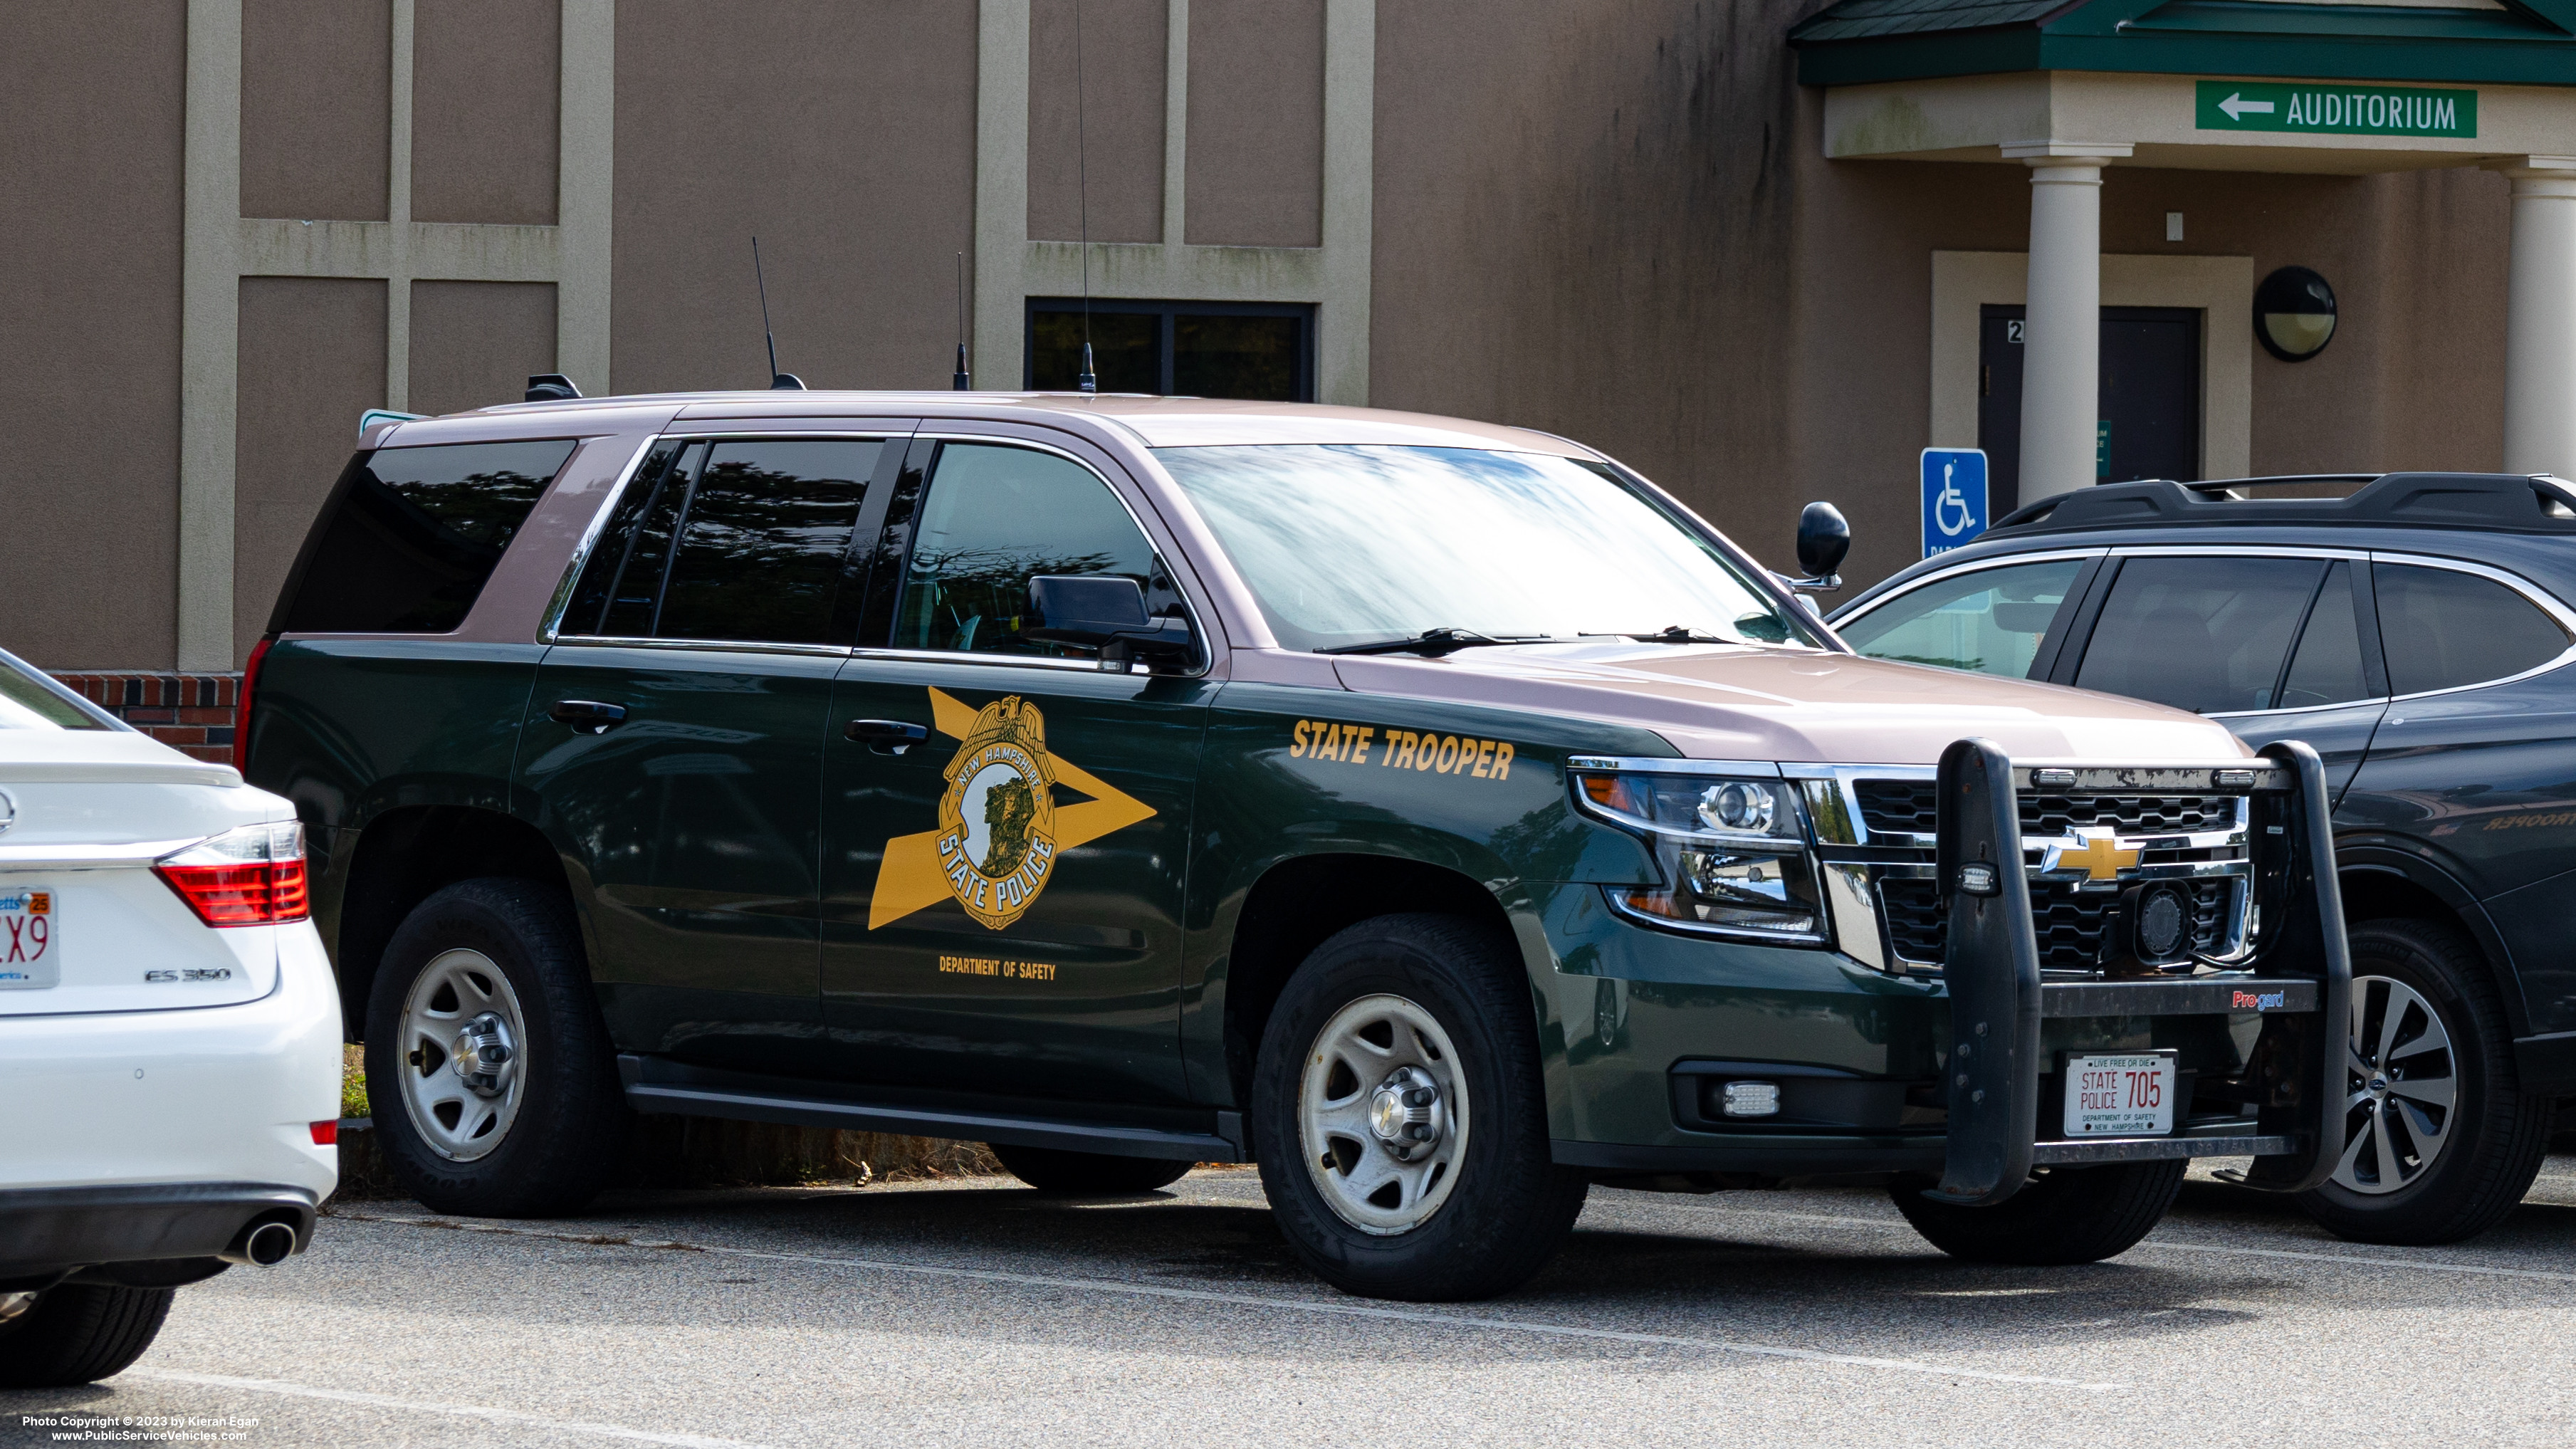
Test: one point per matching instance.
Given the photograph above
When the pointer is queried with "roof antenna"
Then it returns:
(777, 379)
(1088, 381)
(964, 381)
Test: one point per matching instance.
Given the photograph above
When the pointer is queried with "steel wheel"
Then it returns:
(2404, 1087)
(463, 1068)
(1383, 1114)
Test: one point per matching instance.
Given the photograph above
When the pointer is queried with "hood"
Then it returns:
(1724, 702)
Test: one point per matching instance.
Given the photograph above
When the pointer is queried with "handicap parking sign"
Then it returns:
(1954, 498)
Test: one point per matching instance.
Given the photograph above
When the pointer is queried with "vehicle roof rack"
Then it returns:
(2534, 503)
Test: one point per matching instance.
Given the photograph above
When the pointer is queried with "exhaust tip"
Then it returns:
(265, 1245)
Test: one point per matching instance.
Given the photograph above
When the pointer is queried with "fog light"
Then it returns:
(1752, 1099)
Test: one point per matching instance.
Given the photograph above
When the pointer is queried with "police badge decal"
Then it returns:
(997, 819)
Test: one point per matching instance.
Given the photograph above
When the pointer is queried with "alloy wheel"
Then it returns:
(1382, 1114)
(463, 1055)
(2403, 1087)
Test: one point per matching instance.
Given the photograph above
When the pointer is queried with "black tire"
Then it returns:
(2062, 1215)
(80, 1333)
(1509, 1207)
(2496, 1133)
(571, 1121)
(1088, 1174)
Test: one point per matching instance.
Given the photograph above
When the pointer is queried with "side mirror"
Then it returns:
(1823, 539)
(1107, 613)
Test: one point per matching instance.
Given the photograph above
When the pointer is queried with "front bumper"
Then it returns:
(1649, 1024)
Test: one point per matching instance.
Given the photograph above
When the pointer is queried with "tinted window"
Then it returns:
(2327, 667)
(2206, 634)
(2443, 628)
(410, 534)
(995, 517)
(1990, 621)
(30, 702)
(615, 547)
(763, 539)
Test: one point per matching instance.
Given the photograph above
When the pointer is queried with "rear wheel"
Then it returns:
(494, 1086)
(78, 1333)
(1088, 1174)
(2439, 1139)
(2062, 1215)
(1401, 1117)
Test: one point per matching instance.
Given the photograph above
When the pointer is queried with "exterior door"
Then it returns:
(1002, 899)
(2150, 397)
(2276, 648)
(674, 744)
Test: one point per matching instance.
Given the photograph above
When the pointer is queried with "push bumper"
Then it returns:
(46, 1233)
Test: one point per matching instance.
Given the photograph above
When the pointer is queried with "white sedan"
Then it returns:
(169, 1033)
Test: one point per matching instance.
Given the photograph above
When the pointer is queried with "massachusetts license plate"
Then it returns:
(31, 947)
(2126, 1094)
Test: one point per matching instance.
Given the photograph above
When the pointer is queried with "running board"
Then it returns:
(678, 1093)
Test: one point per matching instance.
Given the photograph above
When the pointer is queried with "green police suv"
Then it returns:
(1438, 814)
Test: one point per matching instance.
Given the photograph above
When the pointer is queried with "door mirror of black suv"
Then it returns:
(1107, 612)
(1823, 539)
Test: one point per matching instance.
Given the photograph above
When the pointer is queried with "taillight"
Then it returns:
(253, 876)
(327, 1134)
(241, 703)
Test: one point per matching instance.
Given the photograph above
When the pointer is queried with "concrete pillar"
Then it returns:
(2540, 322)
(2062, 336)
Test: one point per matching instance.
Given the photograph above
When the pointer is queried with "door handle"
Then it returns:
(586, 716)
(885, 736)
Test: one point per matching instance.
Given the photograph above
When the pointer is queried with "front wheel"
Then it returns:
(1401, 1117)
(77, 1334)
(2439, 1139)
(2062, 1215)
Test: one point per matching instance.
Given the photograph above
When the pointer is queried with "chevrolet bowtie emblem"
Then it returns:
(2102, 858)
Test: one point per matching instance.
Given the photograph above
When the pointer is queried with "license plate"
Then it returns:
(2124, 1094)
(31, 947)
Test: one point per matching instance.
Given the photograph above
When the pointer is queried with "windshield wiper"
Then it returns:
(1669, 634)
(1434, 642)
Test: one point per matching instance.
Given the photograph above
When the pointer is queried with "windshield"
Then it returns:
(29, 702)
(1347, 545)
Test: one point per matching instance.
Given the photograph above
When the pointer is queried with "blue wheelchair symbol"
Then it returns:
(1954, 498)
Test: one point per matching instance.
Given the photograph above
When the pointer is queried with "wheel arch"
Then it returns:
(406, 855)
(1299, 902)
(2380, 883)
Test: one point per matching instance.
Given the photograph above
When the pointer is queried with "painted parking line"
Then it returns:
(2167, 1245)
(1291, 1305)
(484, 1412)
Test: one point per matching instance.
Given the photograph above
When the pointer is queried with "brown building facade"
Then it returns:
(1655, 226)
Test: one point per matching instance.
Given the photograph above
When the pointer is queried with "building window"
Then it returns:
(1256, 351)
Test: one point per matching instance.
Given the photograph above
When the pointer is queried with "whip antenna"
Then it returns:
(964, 380)
(1088, 381)
(777, 379)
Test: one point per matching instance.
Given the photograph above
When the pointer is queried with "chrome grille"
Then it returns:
(1912, 807)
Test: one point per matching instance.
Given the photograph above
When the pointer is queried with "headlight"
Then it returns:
(1733, 851)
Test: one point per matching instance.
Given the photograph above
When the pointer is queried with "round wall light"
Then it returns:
(2294, 314)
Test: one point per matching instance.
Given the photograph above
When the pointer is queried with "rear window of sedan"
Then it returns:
(29, 701)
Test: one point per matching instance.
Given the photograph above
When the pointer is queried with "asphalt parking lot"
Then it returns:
(976, 1312)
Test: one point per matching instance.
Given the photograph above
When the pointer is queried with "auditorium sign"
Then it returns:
(2337, 110)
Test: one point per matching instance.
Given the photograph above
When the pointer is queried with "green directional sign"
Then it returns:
(2336, 110)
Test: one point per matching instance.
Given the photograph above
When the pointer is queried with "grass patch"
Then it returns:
(353, 1082)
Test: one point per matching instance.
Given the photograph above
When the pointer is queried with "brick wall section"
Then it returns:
(192, 713)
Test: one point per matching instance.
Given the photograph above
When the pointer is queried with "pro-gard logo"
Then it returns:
(1000, 832)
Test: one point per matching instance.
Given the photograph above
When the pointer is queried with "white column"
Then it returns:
(2540, 322)
(2062, 333)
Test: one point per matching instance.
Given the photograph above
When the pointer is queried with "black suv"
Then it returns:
(2416, 632)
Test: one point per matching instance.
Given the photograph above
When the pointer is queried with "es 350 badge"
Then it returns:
(1000, 830)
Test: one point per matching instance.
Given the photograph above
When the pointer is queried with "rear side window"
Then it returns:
(2443, 628)
(2326, 669)
(2204, 634)
(732, 541)
(1990, 621)
(408, 537)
